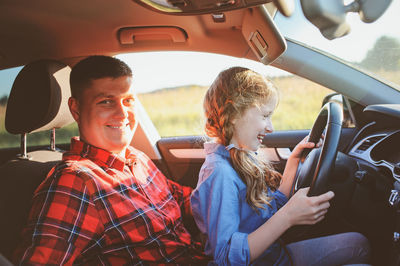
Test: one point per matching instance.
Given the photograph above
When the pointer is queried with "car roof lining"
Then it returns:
(64, 30)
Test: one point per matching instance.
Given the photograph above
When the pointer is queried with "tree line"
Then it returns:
(384, 55)
(3, 100)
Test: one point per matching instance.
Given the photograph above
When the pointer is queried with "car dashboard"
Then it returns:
(378, 142)
(371, 204)
(381, 150)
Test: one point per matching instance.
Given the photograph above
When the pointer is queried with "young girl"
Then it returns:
(241, 203)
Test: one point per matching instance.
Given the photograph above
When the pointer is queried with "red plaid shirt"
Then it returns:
(92, 210)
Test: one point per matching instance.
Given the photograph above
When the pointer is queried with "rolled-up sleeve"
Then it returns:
(280, 199)
(216, 209)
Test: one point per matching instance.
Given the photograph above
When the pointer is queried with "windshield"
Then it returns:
(373, 47)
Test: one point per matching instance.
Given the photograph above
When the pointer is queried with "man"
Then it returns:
(106, 202)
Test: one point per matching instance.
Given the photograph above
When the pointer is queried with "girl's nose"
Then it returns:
(269, 128)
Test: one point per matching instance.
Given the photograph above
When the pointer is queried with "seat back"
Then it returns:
(38, 101)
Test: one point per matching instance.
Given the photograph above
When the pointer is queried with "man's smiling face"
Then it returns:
(105, 113)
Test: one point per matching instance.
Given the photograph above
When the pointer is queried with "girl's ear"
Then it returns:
(233, 119)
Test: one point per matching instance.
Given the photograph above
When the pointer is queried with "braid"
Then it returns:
(257, 174)
(218, 113)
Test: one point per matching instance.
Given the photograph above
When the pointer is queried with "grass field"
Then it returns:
(178, 111)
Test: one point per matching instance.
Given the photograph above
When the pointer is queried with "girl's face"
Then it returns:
(250, 128)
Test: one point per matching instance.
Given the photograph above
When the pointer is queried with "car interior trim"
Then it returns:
(262, 35)
(128, 36)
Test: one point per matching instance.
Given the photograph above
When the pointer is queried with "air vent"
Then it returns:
(368, 143)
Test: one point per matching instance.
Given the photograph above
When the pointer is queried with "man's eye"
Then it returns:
(105, 102)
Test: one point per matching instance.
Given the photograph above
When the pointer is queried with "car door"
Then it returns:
(183, 156)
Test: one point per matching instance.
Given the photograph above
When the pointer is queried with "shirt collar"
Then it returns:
(101, 156)
(212, 147)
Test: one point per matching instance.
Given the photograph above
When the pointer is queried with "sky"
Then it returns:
(7, 77)
(173, 70)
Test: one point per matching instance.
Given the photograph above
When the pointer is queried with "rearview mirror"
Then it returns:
(193, 7)
(330, 16)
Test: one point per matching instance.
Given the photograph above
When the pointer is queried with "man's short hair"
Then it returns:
(96, 67)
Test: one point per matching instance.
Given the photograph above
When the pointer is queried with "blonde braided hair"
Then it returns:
(231, 94)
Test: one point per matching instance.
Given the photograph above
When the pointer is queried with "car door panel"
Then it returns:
(182, 157)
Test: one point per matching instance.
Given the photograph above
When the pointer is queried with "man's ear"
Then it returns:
(73, 105)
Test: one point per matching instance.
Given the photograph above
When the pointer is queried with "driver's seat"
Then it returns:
(38, 102)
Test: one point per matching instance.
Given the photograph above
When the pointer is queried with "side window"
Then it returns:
(7, 78)
(172, 92)
(176, 111)
(300, 102)
(8, 140)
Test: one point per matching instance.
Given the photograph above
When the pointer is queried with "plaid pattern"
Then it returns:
(92, 210)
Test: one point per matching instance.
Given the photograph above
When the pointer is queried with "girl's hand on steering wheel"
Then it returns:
(302, 209)
(293, 162)
(304, 144)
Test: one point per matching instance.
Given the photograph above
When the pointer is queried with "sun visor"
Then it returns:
(262, 35)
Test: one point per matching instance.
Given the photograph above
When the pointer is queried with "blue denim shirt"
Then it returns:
(222, 214)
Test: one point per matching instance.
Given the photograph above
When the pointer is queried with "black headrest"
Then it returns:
(39, 98)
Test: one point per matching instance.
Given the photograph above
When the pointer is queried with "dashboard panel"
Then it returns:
(378, 143)
(381, 150)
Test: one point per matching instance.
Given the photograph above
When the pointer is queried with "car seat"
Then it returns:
(38, 101)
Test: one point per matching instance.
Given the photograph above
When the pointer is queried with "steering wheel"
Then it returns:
(316, 164)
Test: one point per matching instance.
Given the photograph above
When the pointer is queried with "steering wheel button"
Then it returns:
(360, 175)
